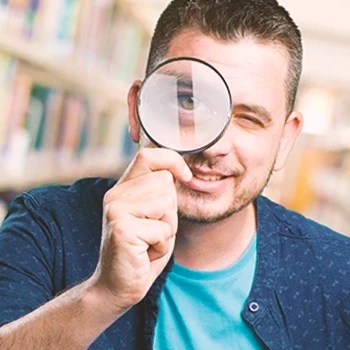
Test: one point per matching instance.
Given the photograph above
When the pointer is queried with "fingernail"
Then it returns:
(188, 173)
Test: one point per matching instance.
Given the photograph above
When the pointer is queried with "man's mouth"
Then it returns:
(209, 177)
(207, 181)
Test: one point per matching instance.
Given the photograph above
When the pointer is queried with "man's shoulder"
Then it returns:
(85, 189)
(296, 226)
(309, 246)
(308, 265)
(83, 197)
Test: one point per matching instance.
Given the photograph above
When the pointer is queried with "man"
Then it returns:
(183, 252)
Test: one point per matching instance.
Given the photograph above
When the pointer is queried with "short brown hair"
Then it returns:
(231, 20)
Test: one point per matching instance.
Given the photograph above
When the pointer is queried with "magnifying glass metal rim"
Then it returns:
(185, 58)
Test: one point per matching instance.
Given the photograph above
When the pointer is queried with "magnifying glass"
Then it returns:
(184, 105)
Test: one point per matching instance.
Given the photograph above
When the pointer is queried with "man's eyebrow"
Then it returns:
(182, 76)
(256, 109)
(189, 79)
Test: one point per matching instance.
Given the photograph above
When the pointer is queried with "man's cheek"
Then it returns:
(254, 154)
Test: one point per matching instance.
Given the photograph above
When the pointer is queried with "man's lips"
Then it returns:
(201, 173)
(207, 181)
(209, 177)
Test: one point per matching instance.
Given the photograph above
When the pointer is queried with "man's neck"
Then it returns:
(215, 246)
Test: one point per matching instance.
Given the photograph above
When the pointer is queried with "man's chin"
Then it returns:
(209, 209)
(202, 208)
(203, 218)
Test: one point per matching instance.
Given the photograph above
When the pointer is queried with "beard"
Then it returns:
(204, 208)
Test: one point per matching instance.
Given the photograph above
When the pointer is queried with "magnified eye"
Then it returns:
(187, 102)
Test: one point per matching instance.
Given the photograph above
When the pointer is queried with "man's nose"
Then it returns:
(223, 146)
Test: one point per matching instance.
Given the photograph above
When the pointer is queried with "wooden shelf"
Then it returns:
(38, 176)
(69, 72)
(145, 15)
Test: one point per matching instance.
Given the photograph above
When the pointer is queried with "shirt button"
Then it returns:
(254, 307)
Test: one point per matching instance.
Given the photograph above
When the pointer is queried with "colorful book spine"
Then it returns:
(8, 67)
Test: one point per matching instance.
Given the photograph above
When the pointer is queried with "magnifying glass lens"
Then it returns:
(184, 105)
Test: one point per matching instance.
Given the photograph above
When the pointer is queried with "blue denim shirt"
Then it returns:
(300, 298)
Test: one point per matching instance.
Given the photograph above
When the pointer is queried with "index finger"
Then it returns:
(154, 159)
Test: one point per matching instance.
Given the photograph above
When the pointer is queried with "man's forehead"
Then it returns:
(254, 72)
(244, 59)
(227, 52)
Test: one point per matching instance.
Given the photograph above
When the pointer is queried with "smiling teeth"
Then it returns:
(209, 177)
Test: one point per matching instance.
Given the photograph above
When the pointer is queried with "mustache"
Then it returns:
(198, 161)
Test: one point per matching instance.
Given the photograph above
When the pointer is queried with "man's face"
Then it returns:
(234, 171)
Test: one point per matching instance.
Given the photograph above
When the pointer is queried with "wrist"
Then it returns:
(103, 301)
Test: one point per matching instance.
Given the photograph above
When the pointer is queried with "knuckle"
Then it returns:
(120, 228)
(142, 155)
(107, 198)
(167, 231)
(111, 211)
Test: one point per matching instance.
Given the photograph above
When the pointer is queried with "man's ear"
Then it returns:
(291, 130)
(134, 125)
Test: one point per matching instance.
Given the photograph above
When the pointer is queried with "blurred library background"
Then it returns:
(65, 70)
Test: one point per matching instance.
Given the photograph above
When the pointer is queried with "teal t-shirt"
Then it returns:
(202, 310)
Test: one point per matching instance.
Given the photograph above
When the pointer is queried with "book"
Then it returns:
(37, 115)
(8, 68)
(3, 14)
(31, 14)
(54, 110)
(71, 123)
(19, 97)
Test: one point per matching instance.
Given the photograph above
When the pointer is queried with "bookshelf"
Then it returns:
(330, 182)
(65, 70)
(67, 174)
